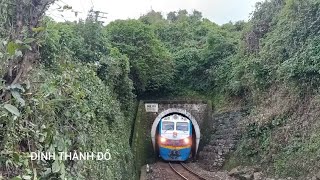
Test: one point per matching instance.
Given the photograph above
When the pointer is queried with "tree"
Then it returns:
(114, 70)
(151, 64)
(20, 31)
(196, 15)
(172, 16)
(152, 17)
(187, 63)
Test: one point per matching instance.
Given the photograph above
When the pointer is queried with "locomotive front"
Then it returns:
(175, 138)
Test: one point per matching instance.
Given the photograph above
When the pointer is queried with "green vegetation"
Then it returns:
(77, 98)
(280, 71)
(151, 64)
(72, 86)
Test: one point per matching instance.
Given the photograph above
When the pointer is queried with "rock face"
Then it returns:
(245, 173)
(316, 177)
(223, 141)
(258, 176)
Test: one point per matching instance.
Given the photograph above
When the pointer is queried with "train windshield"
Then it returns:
(167, 125)
(182, 126)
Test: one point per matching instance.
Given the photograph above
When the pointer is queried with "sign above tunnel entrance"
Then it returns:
(152, 107)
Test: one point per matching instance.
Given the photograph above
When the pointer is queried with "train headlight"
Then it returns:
(186, 140)
(163, 140)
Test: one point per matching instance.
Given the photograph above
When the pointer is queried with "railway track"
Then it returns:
(185, 172)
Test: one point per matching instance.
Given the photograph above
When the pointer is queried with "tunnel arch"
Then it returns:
(171, 111)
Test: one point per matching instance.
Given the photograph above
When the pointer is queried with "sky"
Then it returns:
(218, 11)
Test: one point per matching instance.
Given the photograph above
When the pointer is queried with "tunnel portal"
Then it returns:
(182, 112)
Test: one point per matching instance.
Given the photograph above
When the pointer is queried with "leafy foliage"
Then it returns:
(151, 64)
(71, 112)
(75, 101)
(80, 96)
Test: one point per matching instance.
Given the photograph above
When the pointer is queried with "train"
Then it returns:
(175, 138)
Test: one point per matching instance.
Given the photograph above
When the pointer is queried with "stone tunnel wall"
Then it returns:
(142, 144)
(198, 109)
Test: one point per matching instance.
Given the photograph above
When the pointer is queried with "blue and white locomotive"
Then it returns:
(175, 138)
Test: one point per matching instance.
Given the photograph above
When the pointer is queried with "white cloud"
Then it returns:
(219, 11)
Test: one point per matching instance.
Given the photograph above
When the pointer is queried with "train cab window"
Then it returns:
(167, 125)
(182, 126)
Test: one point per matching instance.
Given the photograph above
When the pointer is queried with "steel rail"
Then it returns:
(193, 172)
(177, 172)
(189, 170)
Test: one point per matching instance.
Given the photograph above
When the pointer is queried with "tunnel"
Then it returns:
(182, 112)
